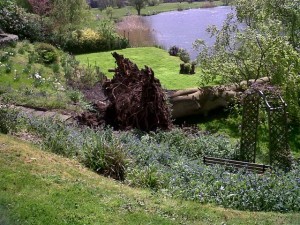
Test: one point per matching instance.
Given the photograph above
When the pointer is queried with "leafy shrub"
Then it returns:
(55, 67)
(149, 177)
(9, 120)
(88, 40)
(179, 7)
(96, 150)
(105, 157)
(75, 96)
(180, 52)
(8, 67)
(153, 2)
(4, 57)
(47, 53)
(184, 55)
(15, 20)
(33, 57)
(174, 50)
(187, 68)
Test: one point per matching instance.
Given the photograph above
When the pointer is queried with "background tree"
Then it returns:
(40, 7)
(266, 46)
(287, 12)
(68, 14)
(23, 3)
(138, 5)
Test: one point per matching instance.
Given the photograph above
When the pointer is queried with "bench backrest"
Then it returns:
(254, 167)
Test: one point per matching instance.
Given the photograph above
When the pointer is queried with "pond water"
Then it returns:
(182, 28)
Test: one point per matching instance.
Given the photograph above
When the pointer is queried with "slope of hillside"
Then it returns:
(38, 187)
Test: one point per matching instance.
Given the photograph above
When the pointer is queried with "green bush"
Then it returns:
(184, 55)
(179, 7)
(47, 53)
(187, 68)
(174, 50)
(180, 52)
(153, 2)
(15, 20)
(9, 120)
(4, 56)
(105, 157)
(88, 40)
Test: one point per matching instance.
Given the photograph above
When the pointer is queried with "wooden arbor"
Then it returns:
(269, 99)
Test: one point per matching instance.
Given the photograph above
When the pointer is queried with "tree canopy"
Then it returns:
(138, 5)
(66, 13)
(265, 44)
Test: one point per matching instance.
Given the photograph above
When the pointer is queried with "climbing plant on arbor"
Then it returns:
(268, 98)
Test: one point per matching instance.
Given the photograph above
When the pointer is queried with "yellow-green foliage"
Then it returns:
(89, 40)
(86, 35)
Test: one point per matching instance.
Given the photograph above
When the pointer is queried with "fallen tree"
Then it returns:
(205, 99)
(135, 99)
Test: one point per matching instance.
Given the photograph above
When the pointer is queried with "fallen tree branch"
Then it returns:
(205, 99)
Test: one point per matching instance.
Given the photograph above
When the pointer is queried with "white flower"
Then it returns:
(222, 188)
(37, 76)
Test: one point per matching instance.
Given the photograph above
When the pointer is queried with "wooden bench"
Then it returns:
(253, 167)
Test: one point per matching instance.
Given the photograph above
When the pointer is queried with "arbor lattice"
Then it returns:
(279, 152)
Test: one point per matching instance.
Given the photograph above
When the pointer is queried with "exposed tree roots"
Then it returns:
(135, 100)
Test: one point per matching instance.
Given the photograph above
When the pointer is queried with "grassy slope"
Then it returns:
(165, 67)
(41, 188)
(21, 87)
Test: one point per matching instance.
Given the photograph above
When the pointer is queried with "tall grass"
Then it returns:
(137, 30)
(208, 4)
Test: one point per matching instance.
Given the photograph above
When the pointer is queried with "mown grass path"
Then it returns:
(38, 187)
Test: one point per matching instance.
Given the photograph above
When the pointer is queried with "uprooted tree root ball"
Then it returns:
(135, 99)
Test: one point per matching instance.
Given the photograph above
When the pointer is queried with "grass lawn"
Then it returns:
(38, 187)
(165, 67)
(118, 13)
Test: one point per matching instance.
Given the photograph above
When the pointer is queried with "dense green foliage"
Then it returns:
(60, 26)
(265, 46)
(47, 53)
(138, 5)
(88, 40)
(287, 13)
(170, 162)
(16, 20)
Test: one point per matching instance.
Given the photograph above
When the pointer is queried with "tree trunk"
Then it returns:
(202, 100)
(138, 11)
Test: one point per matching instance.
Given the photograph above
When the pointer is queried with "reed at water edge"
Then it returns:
(137, 30)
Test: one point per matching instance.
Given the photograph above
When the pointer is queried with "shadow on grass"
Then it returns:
(217, 121)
